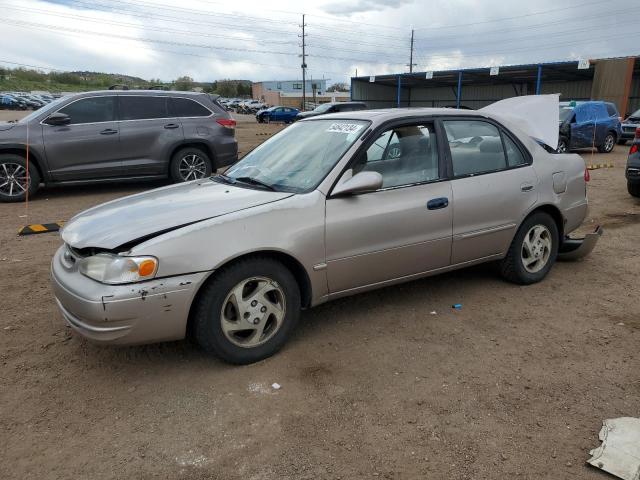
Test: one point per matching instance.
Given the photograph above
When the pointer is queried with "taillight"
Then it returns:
(587, 175)
(633, 149)
(227, 122)
(637, 132)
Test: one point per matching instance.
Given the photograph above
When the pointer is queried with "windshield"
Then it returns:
(565, 113)
(44, 109)
(298, 158)
(322, 108)
(635, 114)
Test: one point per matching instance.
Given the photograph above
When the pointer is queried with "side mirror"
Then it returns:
(360, 182)
(58, 119)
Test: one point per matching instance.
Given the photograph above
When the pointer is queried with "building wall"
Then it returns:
(610, 81)
(258, 89)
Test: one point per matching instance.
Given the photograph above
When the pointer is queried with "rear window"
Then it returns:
(143, 108)
(185, 107)
(612, 110)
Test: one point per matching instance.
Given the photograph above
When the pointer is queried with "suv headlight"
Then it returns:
(114, 269)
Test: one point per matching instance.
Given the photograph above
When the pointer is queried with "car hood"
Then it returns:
(307, 114)
(4, 126)
(136, 218)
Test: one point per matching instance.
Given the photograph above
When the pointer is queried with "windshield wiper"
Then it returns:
(254, 181)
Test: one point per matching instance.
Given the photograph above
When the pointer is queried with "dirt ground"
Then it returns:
(514, 385)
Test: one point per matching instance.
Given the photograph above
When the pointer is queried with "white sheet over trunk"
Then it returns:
(536, 115)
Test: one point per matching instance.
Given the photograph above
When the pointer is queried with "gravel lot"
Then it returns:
(514, 385)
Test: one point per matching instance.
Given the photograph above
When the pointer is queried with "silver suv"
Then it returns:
(116, 135)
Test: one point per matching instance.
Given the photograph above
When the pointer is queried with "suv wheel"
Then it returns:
(190, 164)
(533, 250)
(608, 144)
(633, 188)
(563, 145)
(13, 178)
(247, 311)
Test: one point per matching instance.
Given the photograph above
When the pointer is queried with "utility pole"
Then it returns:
(411, 64)
(304, 65)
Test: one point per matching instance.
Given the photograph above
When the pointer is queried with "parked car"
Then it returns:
(320, 211)
(332, 108)
(116, 135)
(629, 126)
(8, 102)
(587, 124)
(277, 114)
(632, 171)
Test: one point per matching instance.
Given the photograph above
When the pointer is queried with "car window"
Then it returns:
(185, 107)
(143, 108)
(402, 155)
(611, 109)
(476, 147)
(514, 154)
(91, 110)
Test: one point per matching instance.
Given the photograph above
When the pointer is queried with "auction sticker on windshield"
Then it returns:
(344, 127)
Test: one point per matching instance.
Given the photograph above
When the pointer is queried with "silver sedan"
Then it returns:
(329, 207)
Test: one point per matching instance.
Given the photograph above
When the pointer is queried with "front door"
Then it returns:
(494, 185)
(87, 148)
(404, 228)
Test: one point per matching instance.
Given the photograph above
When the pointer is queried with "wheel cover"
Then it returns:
(192, 167)
(562, 146)
(253, 312)
(13, 179)
(609, 143)
(536, 248)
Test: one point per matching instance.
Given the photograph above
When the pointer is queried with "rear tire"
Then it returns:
(190, 164)
(228, 319)
(533, 250)
(13, 178)
(634, 189)
(608, 144)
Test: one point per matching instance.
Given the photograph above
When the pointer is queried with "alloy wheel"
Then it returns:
(536, 248)
(13, 179)
(253, 312)
(609, 143)
(192, 167)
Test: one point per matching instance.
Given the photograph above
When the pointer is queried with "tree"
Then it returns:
(184, 83)
(338, 87)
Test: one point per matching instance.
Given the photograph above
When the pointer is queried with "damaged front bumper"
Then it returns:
(575, 248)
(146, 312)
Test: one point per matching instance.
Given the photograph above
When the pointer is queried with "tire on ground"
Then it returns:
(174, 168)
(8, 163)
(207, 312)
(634, 189)
(512, 266)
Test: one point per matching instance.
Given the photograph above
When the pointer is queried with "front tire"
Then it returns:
(634, 189)
(608, 144)
(533, 250)
(247, 311)
(190, 164)
(14, 183)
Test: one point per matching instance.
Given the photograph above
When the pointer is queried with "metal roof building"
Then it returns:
(615, 79)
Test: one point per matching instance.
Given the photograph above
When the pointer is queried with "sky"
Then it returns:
(258, 40)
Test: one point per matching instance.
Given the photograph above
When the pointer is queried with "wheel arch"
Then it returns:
(553, 211)
(193, 144)
(289, 261)
(21, 151)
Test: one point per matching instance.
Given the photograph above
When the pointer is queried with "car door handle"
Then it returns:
(526, 187)
(170, 126)
(436, 203)
(108, 131)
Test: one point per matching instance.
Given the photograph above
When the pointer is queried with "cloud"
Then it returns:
(361, 6)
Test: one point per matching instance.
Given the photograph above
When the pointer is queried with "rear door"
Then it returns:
(148, 134)
(89, 147)
(493, 186)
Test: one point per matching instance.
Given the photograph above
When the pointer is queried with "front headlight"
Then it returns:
(114, 269)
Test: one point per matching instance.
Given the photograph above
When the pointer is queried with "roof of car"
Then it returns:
(140, 92)
(391, 113)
